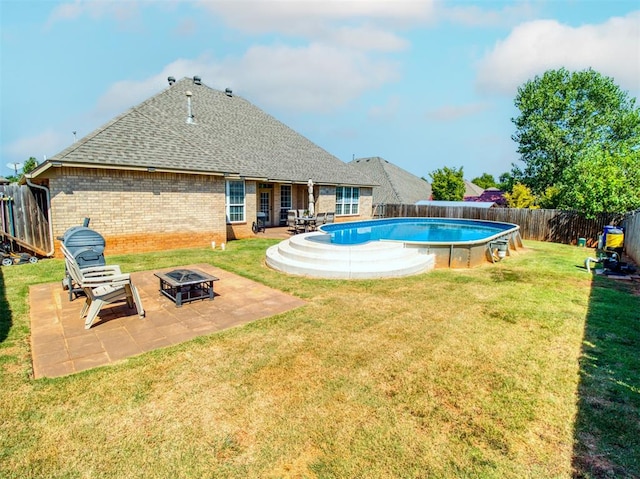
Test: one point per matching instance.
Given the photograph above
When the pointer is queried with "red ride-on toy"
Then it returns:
(10, 258)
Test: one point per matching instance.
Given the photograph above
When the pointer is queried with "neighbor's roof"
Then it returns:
(396, 186)
(466, 204)
(490, 194)
(229, 135)
(471, 189)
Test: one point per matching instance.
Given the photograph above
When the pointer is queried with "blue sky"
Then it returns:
(423, 84)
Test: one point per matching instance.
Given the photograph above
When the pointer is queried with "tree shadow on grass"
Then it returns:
(607, 426)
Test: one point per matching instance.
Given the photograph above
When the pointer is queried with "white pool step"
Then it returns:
(311, 254)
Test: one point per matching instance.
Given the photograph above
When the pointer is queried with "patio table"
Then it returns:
(308, 222)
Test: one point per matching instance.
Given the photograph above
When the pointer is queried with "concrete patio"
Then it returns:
(60, 345)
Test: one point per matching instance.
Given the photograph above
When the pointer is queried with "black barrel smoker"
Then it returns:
(87, 247)
(259, 224)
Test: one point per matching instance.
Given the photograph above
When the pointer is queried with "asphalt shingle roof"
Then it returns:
(462, 204)
(228, 135)
(395, 185)
(471, 189)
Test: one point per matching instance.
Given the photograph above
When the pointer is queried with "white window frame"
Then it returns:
(284, 207)
(230, 205)
(348, 203)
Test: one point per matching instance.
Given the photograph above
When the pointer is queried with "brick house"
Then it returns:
(192, 165)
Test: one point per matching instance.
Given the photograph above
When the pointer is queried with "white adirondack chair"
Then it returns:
(102, 285)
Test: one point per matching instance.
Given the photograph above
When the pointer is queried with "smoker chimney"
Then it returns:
(171, 80)
(197, 80)
(189, 112)
(228, 92)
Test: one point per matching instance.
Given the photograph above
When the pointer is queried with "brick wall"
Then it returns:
(366, 203)
(326, 201)
(140, 211)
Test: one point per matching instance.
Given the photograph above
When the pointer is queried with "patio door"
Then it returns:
(264, 202)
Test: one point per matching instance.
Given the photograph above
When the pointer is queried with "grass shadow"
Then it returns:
(607, 426)
(5, 311)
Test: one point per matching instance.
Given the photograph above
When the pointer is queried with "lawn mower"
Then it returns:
(9, 257)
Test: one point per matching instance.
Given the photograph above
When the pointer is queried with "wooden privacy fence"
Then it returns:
(543, 225)
(24, 220)
(631, 225)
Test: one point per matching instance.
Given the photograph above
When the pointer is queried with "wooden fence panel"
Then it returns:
(556, 226)
(23, 219)
(632, 236)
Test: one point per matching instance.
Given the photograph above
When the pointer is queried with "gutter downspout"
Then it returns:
(46, 190)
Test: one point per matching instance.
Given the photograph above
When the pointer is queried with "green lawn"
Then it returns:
(525, 368)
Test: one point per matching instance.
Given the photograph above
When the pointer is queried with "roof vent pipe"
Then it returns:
(197, 80)
(171, 80)
(189, 112)
(228, 92)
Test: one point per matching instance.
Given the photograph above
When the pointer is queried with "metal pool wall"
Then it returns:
(470, 254)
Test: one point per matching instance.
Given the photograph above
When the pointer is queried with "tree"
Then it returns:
(506, 182)
(565, 118)
(485, 181)
(29, 165)
(447, 184)
(521, 197)
(606, 182)
(550, 198)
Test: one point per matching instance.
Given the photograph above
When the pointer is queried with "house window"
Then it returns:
(285, 202)
(347, 200)
(235, 201)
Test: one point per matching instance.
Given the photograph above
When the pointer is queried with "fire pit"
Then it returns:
(185, 285)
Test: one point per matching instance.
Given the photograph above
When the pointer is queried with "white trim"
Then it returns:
(350, 203)
(228, 204)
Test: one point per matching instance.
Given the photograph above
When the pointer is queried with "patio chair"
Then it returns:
(320, 219)
(101, 285)
(293, 222)
(330, 217)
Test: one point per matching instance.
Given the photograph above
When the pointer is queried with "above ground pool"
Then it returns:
(393, 247)
(415, 230)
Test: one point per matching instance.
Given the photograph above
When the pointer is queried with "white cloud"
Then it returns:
(125, 94)
(186, 27)
(366, 38)
(341, 55)
(43, 144)
(317, 77)
(326, 20)
(611, 48)
(475, 16)
(95, 9)
(269, 15)
(455, 112)
(311, 78)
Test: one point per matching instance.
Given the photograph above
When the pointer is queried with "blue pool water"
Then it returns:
(419, 230)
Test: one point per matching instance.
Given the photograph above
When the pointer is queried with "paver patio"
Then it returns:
(60, 345)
